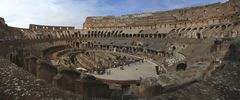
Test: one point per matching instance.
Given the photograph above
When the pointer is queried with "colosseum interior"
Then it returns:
(181, 54)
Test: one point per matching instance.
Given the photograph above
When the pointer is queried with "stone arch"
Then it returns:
(164, 35)
(49, 36)
(173, 30)
(115, 34)
(108, 34)
(92, 34)
(119, 35)
(229, 25)
(95, 35)
(75, 34)
(146, 35)
(77, 44)
(141, 35)
(150, 35)
(195, 28)
(224, 27)
(211, 27)
(199, 36)
(155, 35)
(181, 66)
(159, 35)
(130, 35)
(179, 34)
(101, 35)
(123, 35)
(120, 32)
(127, 35)
(140, 31)
(111, 34)
(105, 35)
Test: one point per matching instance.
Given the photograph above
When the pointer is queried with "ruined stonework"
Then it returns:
(2, 22)
(194, 16)
(182, 54)
(50, 28)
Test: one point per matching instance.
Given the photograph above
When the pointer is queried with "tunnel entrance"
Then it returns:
(181, 67)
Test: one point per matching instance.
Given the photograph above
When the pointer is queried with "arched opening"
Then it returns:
(108, 34)
(180, 35)
(164, 35)
(77, 44)
(101, 35)
(146, 36)
(130, 35)
(142, 35)
(174, 48)
(115, 35)
(138, 35)
(198, 36)
(211, 27)
(151, 35)
(127, 36)
(49, 36)
(183, 29)
(123, 35)
(181, 67)
(159, 36)
(118, 35)
(224, 27)
(105, 35)
(134, 35)
(155, 35)
(95, 35)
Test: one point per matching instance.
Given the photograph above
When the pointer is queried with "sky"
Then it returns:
(21, 13)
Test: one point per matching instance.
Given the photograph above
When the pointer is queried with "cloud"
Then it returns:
(21, 13)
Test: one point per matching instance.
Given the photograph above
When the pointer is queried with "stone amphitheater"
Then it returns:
(181, 54)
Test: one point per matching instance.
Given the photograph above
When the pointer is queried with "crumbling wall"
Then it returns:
(17, 84)
(2, 22)
(194, 16)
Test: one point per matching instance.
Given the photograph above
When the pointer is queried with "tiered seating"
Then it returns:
(82, 63)
(85, 61)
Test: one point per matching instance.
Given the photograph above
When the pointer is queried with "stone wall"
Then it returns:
(46, 72)
(17, 84)
(194, 16)
(53, 28)
(2, 22)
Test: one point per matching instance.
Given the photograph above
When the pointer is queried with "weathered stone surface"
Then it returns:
(17, 84)
(167, 19)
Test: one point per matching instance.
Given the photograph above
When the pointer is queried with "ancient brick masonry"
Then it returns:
(2, 21)
(184, 46)
(51, 28)
(17, 84)
(195, 16)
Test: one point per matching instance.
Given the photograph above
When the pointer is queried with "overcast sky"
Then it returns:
(21, 13)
